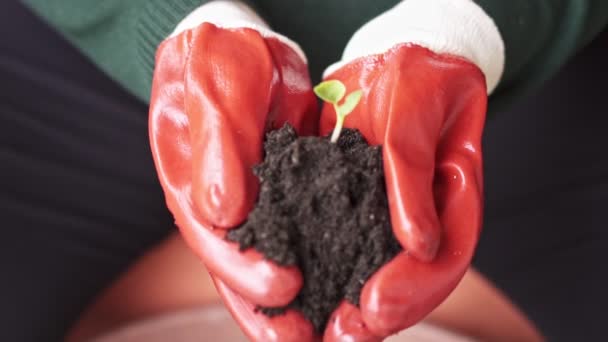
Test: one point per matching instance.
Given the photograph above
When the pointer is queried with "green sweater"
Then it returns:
(121, 36)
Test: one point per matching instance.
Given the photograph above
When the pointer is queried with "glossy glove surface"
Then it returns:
(428, 112)
(215, 93)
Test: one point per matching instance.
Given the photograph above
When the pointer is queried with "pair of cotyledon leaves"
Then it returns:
(333, 91)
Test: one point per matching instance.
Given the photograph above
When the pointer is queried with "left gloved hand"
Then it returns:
(426, 106)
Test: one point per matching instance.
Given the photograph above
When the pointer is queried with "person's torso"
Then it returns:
(321, 27)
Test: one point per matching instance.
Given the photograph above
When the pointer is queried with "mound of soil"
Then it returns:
(322, 207)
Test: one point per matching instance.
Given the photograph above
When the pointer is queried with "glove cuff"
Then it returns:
(456, 27)
(232, 14)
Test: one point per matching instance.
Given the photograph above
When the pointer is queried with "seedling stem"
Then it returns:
(333, 91)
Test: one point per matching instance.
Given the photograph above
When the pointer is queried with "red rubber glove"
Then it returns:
(427, 111)
(215, 93)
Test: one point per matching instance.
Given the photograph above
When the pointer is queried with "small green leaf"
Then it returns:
(350, 102)
(331, 91)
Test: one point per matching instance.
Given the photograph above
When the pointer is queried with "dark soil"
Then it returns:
(322, 207)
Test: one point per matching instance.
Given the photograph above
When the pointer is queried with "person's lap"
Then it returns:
(81, 201)
(169, 283)
(168, 279)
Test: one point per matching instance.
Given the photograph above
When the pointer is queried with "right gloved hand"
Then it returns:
(431, 138)
(216, 91)
(424, 68)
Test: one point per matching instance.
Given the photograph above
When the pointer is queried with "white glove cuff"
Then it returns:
(232, 14)
(456, 27)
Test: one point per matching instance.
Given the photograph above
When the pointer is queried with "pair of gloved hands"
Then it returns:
(217, 90)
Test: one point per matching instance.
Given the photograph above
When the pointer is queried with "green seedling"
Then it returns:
(333, 92)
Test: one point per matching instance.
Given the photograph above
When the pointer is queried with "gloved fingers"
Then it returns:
(168, 123)
(294, 101)
(246, 272)
(346, 324)
(405, 290)
(439, 88)
(228, 86)
(409, 187)
(462, 132)
(256, 279)
(289, 327)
